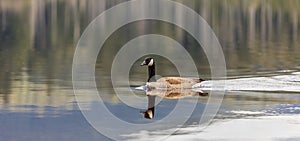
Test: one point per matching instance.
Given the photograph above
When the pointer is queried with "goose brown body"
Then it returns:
(173, 83)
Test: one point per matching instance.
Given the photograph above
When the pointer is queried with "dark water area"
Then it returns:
(38, 41)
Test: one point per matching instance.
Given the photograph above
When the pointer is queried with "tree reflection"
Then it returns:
(37, 38)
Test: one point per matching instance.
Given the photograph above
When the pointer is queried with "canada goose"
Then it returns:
(167, 82)
(167, 87)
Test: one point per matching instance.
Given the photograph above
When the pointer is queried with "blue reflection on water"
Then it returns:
(287, 109)
(63, 125)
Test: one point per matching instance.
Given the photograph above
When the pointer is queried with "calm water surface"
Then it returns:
(37, 44)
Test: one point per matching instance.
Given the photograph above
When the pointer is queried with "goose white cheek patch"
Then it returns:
(151, 62)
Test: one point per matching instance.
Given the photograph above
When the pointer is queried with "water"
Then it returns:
(260, 40)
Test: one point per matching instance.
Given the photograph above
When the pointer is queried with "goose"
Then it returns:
(167, 87)
(167, 83)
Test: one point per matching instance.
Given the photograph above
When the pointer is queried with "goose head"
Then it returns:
(148, 62)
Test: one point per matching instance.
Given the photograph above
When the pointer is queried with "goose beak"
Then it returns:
(142, 113)
(144, 63)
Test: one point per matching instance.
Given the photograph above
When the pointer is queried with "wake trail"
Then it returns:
(280, 83)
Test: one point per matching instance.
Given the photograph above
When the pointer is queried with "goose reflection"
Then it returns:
(167, 94)
(149, 113)
(175, 93)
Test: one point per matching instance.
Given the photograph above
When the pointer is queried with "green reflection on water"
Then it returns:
(38, 38)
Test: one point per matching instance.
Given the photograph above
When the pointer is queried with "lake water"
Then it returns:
(260, 41)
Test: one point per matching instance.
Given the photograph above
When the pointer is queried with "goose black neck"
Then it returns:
(151, 72)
